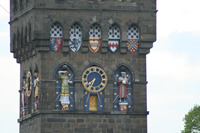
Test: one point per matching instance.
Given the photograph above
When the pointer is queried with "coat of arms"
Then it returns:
(132, 45)
(94, 44)
(113, 38)
(75, 44)
(113, 45)
(75, 39)
(56, 43)
(94, 38)
(133, 39)
(55, 37)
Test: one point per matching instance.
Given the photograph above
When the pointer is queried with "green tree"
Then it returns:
(192, 120)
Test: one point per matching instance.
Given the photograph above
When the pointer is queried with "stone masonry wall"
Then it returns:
(79, 122)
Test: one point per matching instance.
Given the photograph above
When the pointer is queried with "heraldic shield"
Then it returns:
(75, 44)
(113, 45)
(55, 37)
(94, 44)
(75, 39)
(132, 45)
(56, 43)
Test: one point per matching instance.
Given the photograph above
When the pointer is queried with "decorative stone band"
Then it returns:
(82, 112)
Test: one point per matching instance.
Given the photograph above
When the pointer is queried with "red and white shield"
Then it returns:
(55, 37)
(113, 45)
(94, 44)
(55, 43)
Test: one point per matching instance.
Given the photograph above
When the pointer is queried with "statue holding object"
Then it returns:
(64, 98)
(123, 83)
(36, 86)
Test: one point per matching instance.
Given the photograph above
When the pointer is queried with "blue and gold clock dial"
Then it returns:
(94, 79)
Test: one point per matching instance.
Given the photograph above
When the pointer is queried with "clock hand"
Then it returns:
(91, 83)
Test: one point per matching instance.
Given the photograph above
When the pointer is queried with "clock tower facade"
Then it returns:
(82, 64)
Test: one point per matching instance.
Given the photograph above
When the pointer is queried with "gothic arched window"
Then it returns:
(122, 89)
(64, 89)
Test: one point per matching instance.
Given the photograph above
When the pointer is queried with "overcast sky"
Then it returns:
(173, 68)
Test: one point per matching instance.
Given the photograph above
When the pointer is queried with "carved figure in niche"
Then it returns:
(64, 98)
(23, 95)
(36, 87)
(123, 82)
(29, 83)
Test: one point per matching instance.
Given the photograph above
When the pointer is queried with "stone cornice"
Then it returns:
(83, 112)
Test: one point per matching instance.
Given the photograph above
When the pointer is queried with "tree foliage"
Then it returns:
(192, 120)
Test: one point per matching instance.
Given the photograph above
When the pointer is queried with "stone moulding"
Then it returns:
(82, 112)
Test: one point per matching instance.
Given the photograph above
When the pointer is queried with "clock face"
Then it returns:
(94, 79)
(28, 83)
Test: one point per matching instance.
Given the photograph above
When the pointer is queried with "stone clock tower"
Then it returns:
(82, 64)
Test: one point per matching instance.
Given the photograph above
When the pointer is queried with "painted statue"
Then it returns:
(123, 82)
(36, 87)
(23, 95)
(29, 83)
(64, 98)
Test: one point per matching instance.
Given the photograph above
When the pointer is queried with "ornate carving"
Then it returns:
(123, 108)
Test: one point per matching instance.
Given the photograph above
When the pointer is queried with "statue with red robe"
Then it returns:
(123, 83)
